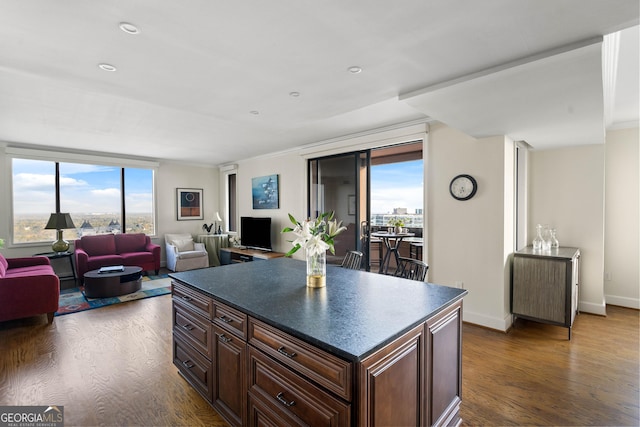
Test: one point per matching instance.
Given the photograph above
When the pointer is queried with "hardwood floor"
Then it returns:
(112, 366)
(534, 376)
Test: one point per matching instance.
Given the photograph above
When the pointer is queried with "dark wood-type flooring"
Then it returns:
(112, 366)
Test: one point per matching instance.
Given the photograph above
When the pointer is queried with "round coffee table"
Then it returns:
(103, 285)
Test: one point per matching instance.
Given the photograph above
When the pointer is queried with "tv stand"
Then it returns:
(235, 255)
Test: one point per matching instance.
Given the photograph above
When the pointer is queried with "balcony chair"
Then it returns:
(412, 269)
(352, 260)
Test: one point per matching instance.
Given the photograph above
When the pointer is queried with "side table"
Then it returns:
(61, 255)
(213, 243)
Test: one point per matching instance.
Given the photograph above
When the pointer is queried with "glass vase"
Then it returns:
(537, 241)
(316, 270)
(546, 238)
(554, 240)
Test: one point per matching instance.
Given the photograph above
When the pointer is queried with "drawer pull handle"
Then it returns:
(281, 350)
(186, 298)
(188, 364)
(188, 327)
(223, 338)
(281, 399)
(225, 319)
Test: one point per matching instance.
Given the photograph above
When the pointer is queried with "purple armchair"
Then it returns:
(28, 287)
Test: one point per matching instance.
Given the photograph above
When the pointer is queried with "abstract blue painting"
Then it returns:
(264, 191)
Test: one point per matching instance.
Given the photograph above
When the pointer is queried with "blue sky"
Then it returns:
(84, 188)
(397, 185)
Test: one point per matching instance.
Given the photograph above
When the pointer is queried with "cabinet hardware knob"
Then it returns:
(223, 338)
(188, 327)
(281, 350)
(225, 319)
(281, 399)
(186, 298)
(188, 364)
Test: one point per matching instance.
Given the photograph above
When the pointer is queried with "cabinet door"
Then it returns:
(540, 288)
(392, 383)
(229, 384)
(443, 357)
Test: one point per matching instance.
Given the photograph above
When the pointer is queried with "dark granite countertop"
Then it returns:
(353, 316)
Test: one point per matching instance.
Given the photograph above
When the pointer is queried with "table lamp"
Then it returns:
(59, 222)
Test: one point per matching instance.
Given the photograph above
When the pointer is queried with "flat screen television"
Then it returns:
(255, 232)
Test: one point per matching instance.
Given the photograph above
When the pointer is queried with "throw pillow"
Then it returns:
(184, 245)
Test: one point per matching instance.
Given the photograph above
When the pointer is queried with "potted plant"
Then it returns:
(397, 223)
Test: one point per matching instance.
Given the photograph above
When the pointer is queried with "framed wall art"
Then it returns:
(264, 192)
(189, 201)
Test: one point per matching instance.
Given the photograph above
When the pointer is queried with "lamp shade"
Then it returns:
(59, 221)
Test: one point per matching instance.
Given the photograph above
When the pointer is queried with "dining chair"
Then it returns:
(352, 260)
(413, 269)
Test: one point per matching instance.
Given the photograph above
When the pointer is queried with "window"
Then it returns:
(232, 200)
(99, 198)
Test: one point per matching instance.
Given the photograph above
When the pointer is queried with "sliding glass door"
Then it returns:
(340, 184)
(367, 190)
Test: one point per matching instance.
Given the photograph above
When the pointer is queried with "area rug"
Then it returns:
(73, 300)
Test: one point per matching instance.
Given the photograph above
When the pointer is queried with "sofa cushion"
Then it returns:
(3, 265)
(126, 243)
(37, 270)
(191, 254)
(101, 244)
(137, 258)
(96, 262)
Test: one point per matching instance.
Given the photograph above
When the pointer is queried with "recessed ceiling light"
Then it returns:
(107, 67)
(129, 28)
(355, 69)
(294, 94)
(254, 112)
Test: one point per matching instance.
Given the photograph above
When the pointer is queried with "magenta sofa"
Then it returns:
(28, 287)
(102, 250)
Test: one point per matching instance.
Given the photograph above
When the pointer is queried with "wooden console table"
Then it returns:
(232, 255)
(213, 243)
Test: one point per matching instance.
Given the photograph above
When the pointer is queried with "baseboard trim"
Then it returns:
(487, 321)
(623, 301)
(589, 307)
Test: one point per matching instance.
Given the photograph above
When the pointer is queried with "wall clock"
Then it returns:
(463, 187)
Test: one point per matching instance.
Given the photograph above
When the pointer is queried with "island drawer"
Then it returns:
(230, 319)
(320, 366)
(193, 329)
(285, 392)
(197, 302)
(194, 368)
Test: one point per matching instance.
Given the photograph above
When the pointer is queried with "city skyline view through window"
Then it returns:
(396, 187)
(90, 193)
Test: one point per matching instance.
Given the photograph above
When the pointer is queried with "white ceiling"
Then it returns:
(185, 86)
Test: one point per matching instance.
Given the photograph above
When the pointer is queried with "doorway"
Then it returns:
(366, 190)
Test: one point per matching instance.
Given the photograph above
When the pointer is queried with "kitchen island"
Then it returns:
(366, 350)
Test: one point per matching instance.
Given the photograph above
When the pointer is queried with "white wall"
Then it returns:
(172, 176)
(622, 218)
(470, 241)
(291, 168)
(567, 192)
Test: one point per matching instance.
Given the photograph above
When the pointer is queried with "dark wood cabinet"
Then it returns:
(545, 285)
(229, 384)
(236, 255)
